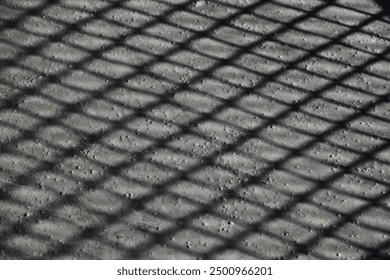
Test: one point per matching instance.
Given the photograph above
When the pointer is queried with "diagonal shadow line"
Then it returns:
(72, 152)
(116, 85)
(376, 254)
(12, 102)
(330, 131)
(366, 109)
(385, 5)
(214, 67)
(301, 198)
(173, 102)
(34, 11)
(238, 28)
(145, 136)
(50, 165)
(94, 54)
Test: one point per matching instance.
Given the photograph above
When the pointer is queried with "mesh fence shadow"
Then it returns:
(194, 130)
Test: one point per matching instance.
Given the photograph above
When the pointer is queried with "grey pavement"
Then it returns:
(221, 129)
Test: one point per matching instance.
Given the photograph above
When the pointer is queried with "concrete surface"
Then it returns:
(223, 129)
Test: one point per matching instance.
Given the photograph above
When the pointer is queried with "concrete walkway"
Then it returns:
(177, 129)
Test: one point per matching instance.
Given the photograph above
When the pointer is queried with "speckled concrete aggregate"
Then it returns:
(221, 129)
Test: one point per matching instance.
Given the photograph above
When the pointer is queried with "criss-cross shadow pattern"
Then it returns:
(221, 129)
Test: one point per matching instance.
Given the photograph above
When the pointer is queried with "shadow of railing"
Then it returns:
(202, 130)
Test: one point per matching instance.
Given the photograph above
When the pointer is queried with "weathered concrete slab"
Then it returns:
(194, 129)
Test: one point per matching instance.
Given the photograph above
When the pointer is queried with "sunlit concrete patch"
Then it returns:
(172, 206)
(126, 187)
(60, 230)
(290, 231)
(361, 235)
(199, 242)
(17, 164)
(264, 246)
(164, 252)
(32, 246)
(313, 216)
(334, 248)
(264, 195)
(94, 249)
(242, 164)
(102, 202)
(218, 225)
(244, 213)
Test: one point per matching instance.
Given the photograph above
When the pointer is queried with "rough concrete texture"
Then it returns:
(221, 129)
